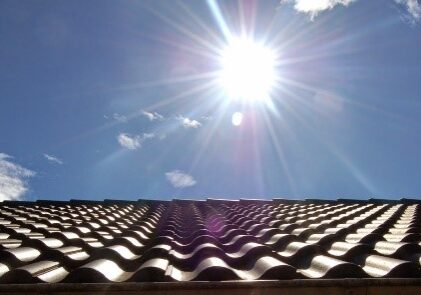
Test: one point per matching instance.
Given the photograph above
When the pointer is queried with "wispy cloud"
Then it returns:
(148, 135)
(152, 116)
(207, 118)
(120, 118)
(189, 123)
(13, 185)
(414, 9)
(131, 142)
(134, 142)
(180, 179)
(53, 159)
(314, 7)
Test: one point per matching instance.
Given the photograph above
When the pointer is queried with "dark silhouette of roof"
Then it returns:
(114, 241)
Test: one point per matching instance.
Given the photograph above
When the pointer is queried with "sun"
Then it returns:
(248, 70)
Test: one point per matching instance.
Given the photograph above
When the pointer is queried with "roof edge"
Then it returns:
(298, 283)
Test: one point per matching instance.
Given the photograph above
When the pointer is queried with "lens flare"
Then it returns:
(237, 119)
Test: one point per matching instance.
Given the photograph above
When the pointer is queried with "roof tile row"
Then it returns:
(213, 240)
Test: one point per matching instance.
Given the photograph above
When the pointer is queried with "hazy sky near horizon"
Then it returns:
(117, 99)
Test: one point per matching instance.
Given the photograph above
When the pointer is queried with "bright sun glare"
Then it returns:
(248, 70)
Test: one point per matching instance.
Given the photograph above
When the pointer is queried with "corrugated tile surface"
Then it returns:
(212, 240)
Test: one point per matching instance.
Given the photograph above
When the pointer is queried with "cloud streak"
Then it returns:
(117, 117)
(152, 116)
(148, 135)
(53, 159)
(120, 118)
(13, 185)
(179, 179)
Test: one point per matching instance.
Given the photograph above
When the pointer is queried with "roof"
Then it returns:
(174, 241)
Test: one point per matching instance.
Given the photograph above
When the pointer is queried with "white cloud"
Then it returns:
(53, 159)
(152, 116)
(134, 142)
(314, 7)
(180, 179)
(189, 123)
(413, 7)
(131, 142)
(12, 179)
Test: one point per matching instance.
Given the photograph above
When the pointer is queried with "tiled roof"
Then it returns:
(212, 240)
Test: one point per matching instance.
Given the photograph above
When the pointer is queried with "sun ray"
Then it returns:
(330, 146)
(286, 81)
(258, 174)
(185, 31)
(137, 113)
(186, 48)
(169, 81)
(204, 143)
(280, 153)
(190, 91)
(218, 40)
(217, 14)
(247, 23)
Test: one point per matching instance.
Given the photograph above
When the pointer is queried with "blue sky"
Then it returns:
(107, 99)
